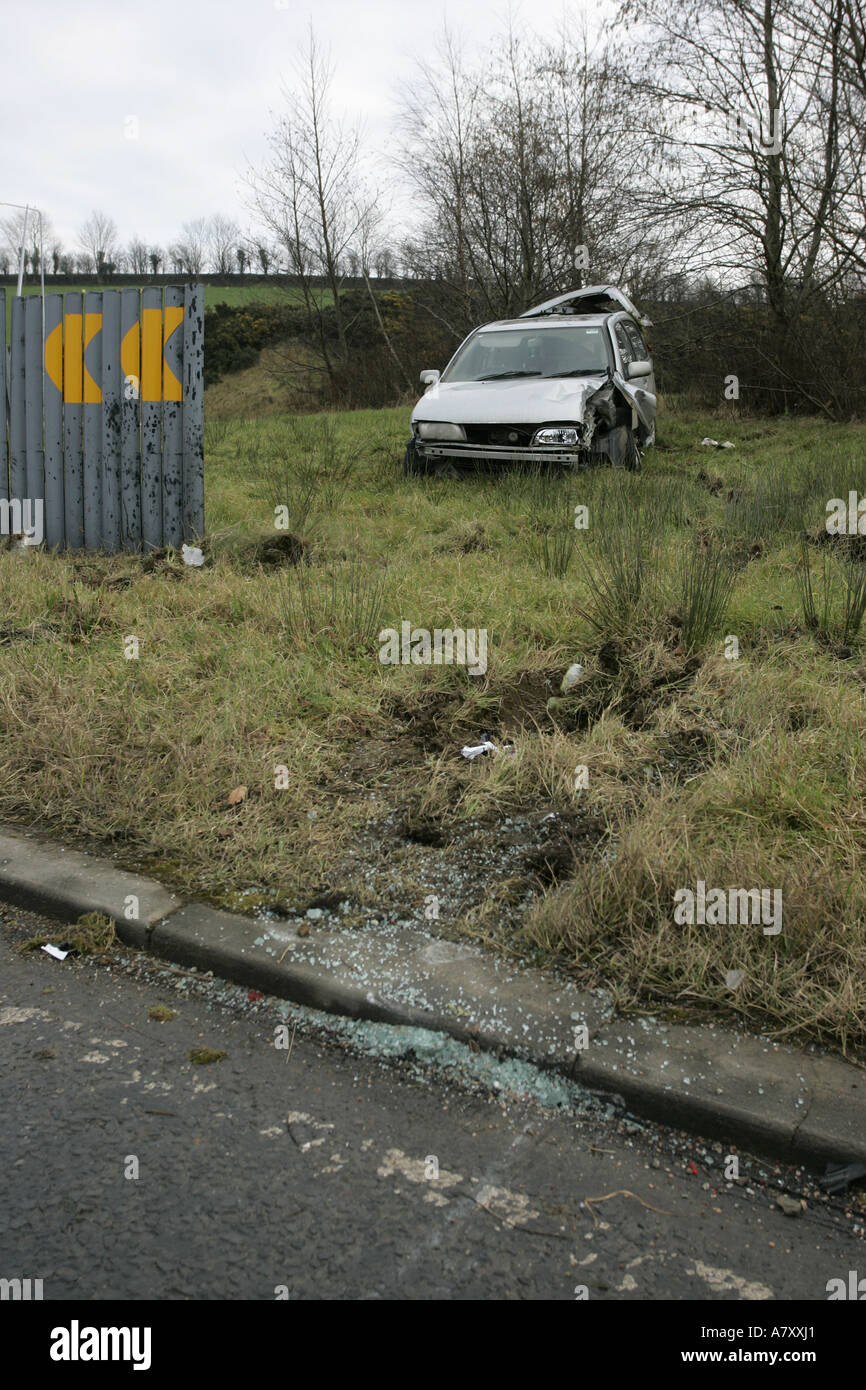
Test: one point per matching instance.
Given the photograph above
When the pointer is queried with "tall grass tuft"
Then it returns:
(770, 508)
(303, 465)
(338, 606)
(622, 570)
(548, 496)
(706, 582)
(216, 432)
(837, 610)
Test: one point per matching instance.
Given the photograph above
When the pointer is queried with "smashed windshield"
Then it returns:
(524, 352)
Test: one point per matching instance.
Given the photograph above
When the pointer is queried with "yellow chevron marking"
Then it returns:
(72, 359)
(92, 326)
(129, 351)
(172, 389)
(151, 354)
(54, 356)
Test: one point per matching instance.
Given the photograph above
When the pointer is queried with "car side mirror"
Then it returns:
(640, 368)
(430, 378)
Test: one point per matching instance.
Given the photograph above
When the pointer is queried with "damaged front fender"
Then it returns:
(622, 420)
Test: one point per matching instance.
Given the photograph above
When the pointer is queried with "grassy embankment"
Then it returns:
(744, 772)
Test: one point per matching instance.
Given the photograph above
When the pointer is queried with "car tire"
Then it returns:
(633, 460)
(412, 465)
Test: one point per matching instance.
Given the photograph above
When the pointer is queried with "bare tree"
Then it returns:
(837, 31)
(221, 235)
(383, 263)
(438, 121)
(188, 252)
(753, 164)
(98, 241)
(137, 256)
(311, 197)
(12, 229)
(524, 166)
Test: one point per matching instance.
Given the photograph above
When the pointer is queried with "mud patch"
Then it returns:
(466, 539)
(273, 551)
(623, 687)
(440, 720)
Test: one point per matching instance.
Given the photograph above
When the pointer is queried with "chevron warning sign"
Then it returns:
(104, 414)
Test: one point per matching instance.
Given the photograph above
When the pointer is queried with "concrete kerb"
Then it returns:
(47, 877)
(742, 1089)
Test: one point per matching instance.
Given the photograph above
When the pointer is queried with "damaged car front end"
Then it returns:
(569, 382)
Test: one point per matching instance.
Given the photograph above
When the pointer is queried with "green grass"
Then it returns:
(213, 294)
(741, 772)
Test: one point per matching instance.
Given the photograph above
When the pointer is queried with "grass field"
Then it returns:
(261, 671)
(213, 294)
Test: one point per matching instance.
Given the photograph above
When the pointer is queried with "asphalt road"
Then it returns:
(131, 1173)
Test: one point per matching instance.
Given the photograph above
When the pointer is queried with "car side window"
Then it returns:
(626, 347)
(639, 347)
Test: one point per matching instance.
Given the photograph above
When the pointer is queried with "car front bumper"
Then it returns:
(573, 457)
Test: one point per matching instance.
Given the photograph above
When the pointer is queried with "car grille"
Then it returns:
(504, 435)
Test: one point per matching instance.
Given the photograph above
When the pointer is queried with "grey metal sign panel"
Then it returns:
(4, 401)
(112, 394)
(172, 418)
(52, 396)
(102, 397)
(130, 446)
(73, 441)
(92, 408)
(193, 412)
(17, 398)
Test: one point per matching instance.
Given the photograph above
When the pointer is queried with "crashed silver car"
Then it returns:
(569, 382)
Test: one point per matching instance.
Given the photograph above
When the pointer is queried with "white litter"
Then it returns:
(192, 555)
(476, 750)
(571, 677)
(715, 444)
(55, 951)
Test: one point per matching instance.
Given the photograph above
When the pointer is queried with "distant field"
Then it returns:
(213, 294)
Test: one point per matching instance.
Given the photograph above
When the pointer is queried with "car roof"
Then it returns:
(552, 321)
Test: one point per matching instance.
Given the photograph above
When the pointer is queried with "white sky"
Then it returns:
(201, 79)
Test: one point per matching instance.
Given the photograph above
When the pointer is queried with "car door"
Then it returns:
(631, 347)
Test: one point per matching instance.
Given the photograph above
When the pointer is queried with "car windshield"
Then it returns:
(499, 354)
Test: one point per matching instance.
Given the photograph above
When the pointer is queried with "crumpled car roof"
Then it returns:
(591, 299)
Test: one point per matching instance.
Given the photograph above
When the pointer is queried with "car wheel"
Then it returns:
(445, 470)
(412, 465)
(633, 460)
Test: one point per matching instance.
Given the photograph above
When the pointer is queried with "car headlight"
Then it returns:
(434, 429)
(560, 434)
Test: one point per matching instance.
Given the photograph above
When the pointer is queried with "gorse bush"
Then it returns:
(234, 335)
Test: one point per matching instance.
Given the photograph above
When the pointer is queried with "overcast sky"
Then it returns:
(151, 111)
